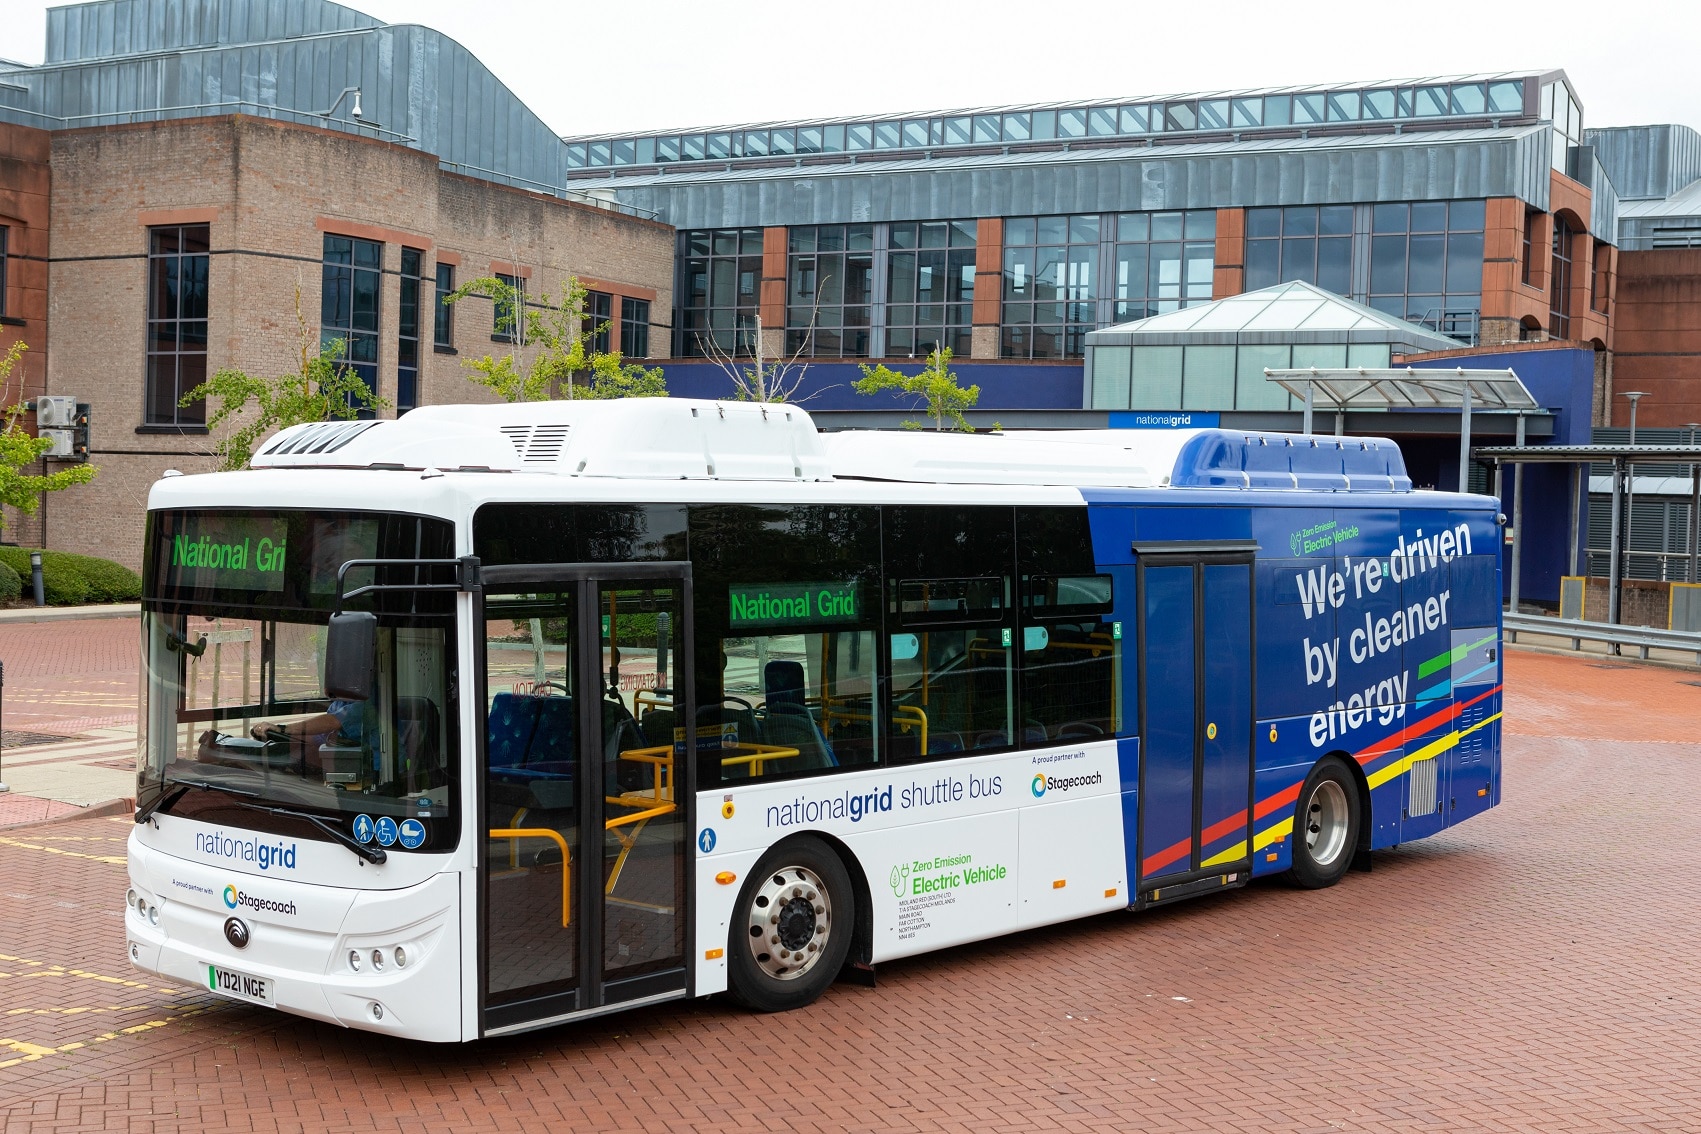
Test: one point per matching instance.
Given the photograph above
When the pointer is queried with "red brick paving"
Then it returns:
(1531, 970)
(68, 677)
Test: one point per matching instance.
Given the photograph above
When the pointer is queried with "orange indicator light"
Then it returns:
(714, 954)
(726, 878)
(1110, 893)
(1060, 883)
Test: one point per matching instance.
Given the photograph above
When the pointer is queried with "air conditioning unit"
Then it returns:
(63, 446)
(56, 411)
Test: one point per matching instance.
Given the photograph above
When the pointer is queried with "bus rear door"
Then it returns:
(583, 897)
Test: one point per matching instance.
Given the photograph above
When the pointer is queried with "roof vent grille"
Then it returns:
(537, 444)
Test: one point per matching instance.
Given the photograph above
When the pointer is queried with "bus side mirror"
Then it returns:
(351, 656)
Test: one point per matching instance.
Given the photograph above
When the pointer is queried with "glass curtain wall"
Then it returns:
(721, 275)
(830, 290)
(1050, 264)
(1164, 261)
(930, 288)
(1307, 243)
(1559, 282)
(407, 329)
(1426, 264)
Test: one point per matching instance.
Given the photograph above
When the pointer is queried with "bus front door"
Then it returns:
(583, 896)
(1196, 719)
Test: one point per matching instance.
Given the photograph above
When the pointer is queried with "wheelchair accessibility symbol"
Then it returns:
(706, 840)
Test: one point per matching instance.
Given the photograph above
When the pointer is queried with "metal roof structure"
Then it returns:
(1589, 454)
(120, 61)
(1406, 387)
(1336, 169)
(1286, 313)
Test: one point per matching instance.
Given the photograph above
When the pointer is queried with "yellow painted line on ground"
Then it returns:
(30, 1052)
(116, 860)
(48, 969)
(78, 1011)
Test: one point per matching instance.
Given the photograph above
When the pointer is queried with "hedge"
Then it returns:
(10, 585)
(71, 580)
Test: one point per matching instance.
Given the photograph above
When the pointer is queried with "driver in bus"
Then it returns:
(342, 721)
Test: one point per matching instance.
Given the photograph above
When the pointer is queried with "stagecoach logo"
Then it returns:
(230, 896)
(1039, 784)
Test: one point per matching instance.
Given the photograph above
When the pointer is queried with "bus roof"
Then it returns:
(685, 439)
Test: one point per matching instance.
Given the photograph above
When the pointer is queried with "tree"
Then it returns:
(23, 490)
(325, 387)
(762, 381)
(936, 385)
(553, 334)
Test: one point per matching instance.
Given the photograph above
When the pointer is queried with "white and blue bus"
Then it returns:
(829, 699)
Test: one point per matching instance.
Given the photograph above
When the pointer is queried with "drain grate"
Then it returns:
(15, 739)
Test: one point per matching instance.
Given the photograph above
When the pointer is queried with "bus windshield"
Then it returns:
(235, 710)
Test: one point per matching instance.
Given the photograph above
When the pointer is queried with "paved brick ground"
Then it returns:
(65, 678)
(1532, 970)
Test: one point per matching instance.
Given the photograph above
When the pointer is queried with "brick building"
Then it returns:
(142, 256)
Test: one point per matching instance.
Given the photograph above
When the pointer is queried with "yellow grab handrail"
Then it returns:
(566, 861)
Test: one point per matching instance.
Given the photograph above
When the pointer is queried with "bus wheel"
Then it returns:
(1325, 826)
(792, 927)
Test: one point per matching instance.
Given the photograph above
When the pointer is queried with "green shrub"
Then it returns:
(11, 586)
(70, 580)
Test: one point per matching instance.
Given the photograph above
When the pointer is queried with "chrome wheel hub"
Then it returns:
(790, 919)
(1326, 823)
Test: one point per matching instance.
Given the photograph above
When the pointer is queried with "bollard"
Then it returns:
(3, 787)
(35, 578)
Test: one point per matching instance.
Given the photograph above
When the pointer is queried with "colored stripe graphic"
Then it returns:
(1384, 747)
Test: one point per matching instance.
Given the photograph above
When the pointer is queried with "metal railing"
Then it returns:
(1647, 566)
(1643, 638)
(1462, 323)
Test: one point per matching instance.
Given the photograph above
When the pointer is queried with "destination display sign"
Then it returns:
(229, 553)
(791, 604)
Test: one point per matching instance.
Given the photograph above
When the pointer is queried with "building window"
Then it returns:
(177, 323)
(1426, 264)
(634, 327)
(930, 288)
(506, 316)
(1049, 267)
(348, 307)
(1530, 216)
(443, 318)
(721, 273)
(1600, 281)
(407, 330)
(1559, 283)
(830, 290)
(1307, 243)
(5, 233)
(598, 321)
(1164, 261)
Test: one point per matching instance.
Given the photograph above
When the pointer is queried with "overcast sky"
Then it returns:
(588, 68)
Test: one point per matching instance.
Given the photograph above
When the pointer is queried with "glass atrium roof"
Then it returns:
(1282, 311)
(1378, 105)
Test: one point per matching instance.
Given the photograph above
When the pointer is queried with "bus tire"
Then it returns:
(1326, 821)
(792, 927)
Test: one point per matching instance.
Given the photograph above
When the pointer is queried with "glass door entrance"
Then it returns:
(585, 806)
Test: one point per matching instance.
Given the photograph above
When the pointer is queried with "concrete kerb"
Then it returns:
(92, 811)
(70, 613)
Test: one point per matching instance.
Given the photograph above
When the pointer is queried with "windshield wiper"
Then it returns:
(177, 789)
(375, 855)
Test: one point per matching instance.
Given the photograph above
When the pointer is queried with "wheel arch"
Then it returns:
(1360, 782)
(862, 935)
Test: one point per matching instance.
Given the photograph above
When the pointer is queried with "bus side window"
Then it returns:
(1070, 660)
(794, 703)
(953, 685)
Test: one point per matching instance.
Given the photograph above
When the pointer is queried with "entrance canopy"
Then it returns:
(1404, 387)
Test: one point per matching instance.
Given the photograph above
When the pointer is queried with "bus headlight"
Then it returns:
(354, 959)
(401, 957)
(153, 915)
(377, 960)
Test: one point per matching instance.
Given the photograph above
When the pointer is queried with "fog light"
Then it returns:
(130, 898)
(401, 957)
(354, 959)
(135, 951)
(153, 915)
(377, 1010)
(377, 960)
(141, 905)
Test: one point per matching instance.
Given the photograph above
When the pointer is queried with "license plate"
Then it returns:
(255, 990)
